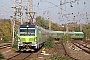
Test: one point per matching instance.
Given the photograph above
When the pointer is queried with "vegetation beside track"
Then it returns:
(1, 56)
(49, 43)
(64, 39)
(14, 47)
(5, 30)
(58, 57)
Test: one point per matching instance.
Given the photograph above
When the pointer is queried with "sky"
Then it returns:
(80, 10)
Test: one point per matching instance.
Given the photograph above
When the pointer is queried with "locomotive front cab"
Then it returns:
(26, 37)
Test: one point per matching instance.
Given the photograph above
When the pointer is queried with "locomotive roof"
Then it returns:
(27, 25)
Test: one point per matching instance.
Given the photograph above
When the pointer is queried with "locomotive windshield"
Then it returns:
(23, 30)
(27, 31)
(31, 31)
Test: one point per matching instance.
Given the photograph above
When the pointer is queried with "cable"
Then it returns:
(12, 0)
(62, 4)
(47, 8)
(5, 7)
(56, 5)
(51, 3)
(53, 7)
(88, 1)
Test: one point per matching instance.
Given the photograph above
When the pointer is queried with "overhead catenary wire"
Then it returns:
(12, 0)
(58, 6)
(6, 7)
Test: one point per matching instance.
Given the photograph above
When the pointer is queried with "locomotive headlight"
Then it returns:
(18, 39)
(35, 39)
(20, 44)
(33, 43)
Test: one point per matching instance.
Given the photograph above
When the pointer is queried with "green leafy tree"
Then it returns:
(86, 30)
(64, 39)
(49, 43)
(40, 21)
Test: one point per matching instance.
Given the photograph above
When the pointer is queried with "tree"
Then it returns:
(64, 39)
(40, 21)
(5, 30)
(49, 43)
(86, 30)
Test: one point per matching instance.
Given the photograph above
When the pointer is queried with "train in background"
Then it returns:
(74, 35)
(32, 37)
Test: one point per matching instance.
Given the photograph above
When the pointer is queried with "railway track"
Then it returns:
(67, 53)
(59, 49)
(64, 50)
(82, 46)
(85, 43)
(2, 46)
(20, 56)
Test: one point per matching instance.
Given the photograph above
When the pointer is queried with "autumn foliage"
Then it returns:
(5, 30)
(40, 21)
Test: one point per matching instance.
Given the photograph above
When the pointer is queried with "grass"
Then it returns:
(1, 56)
(58, 57)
